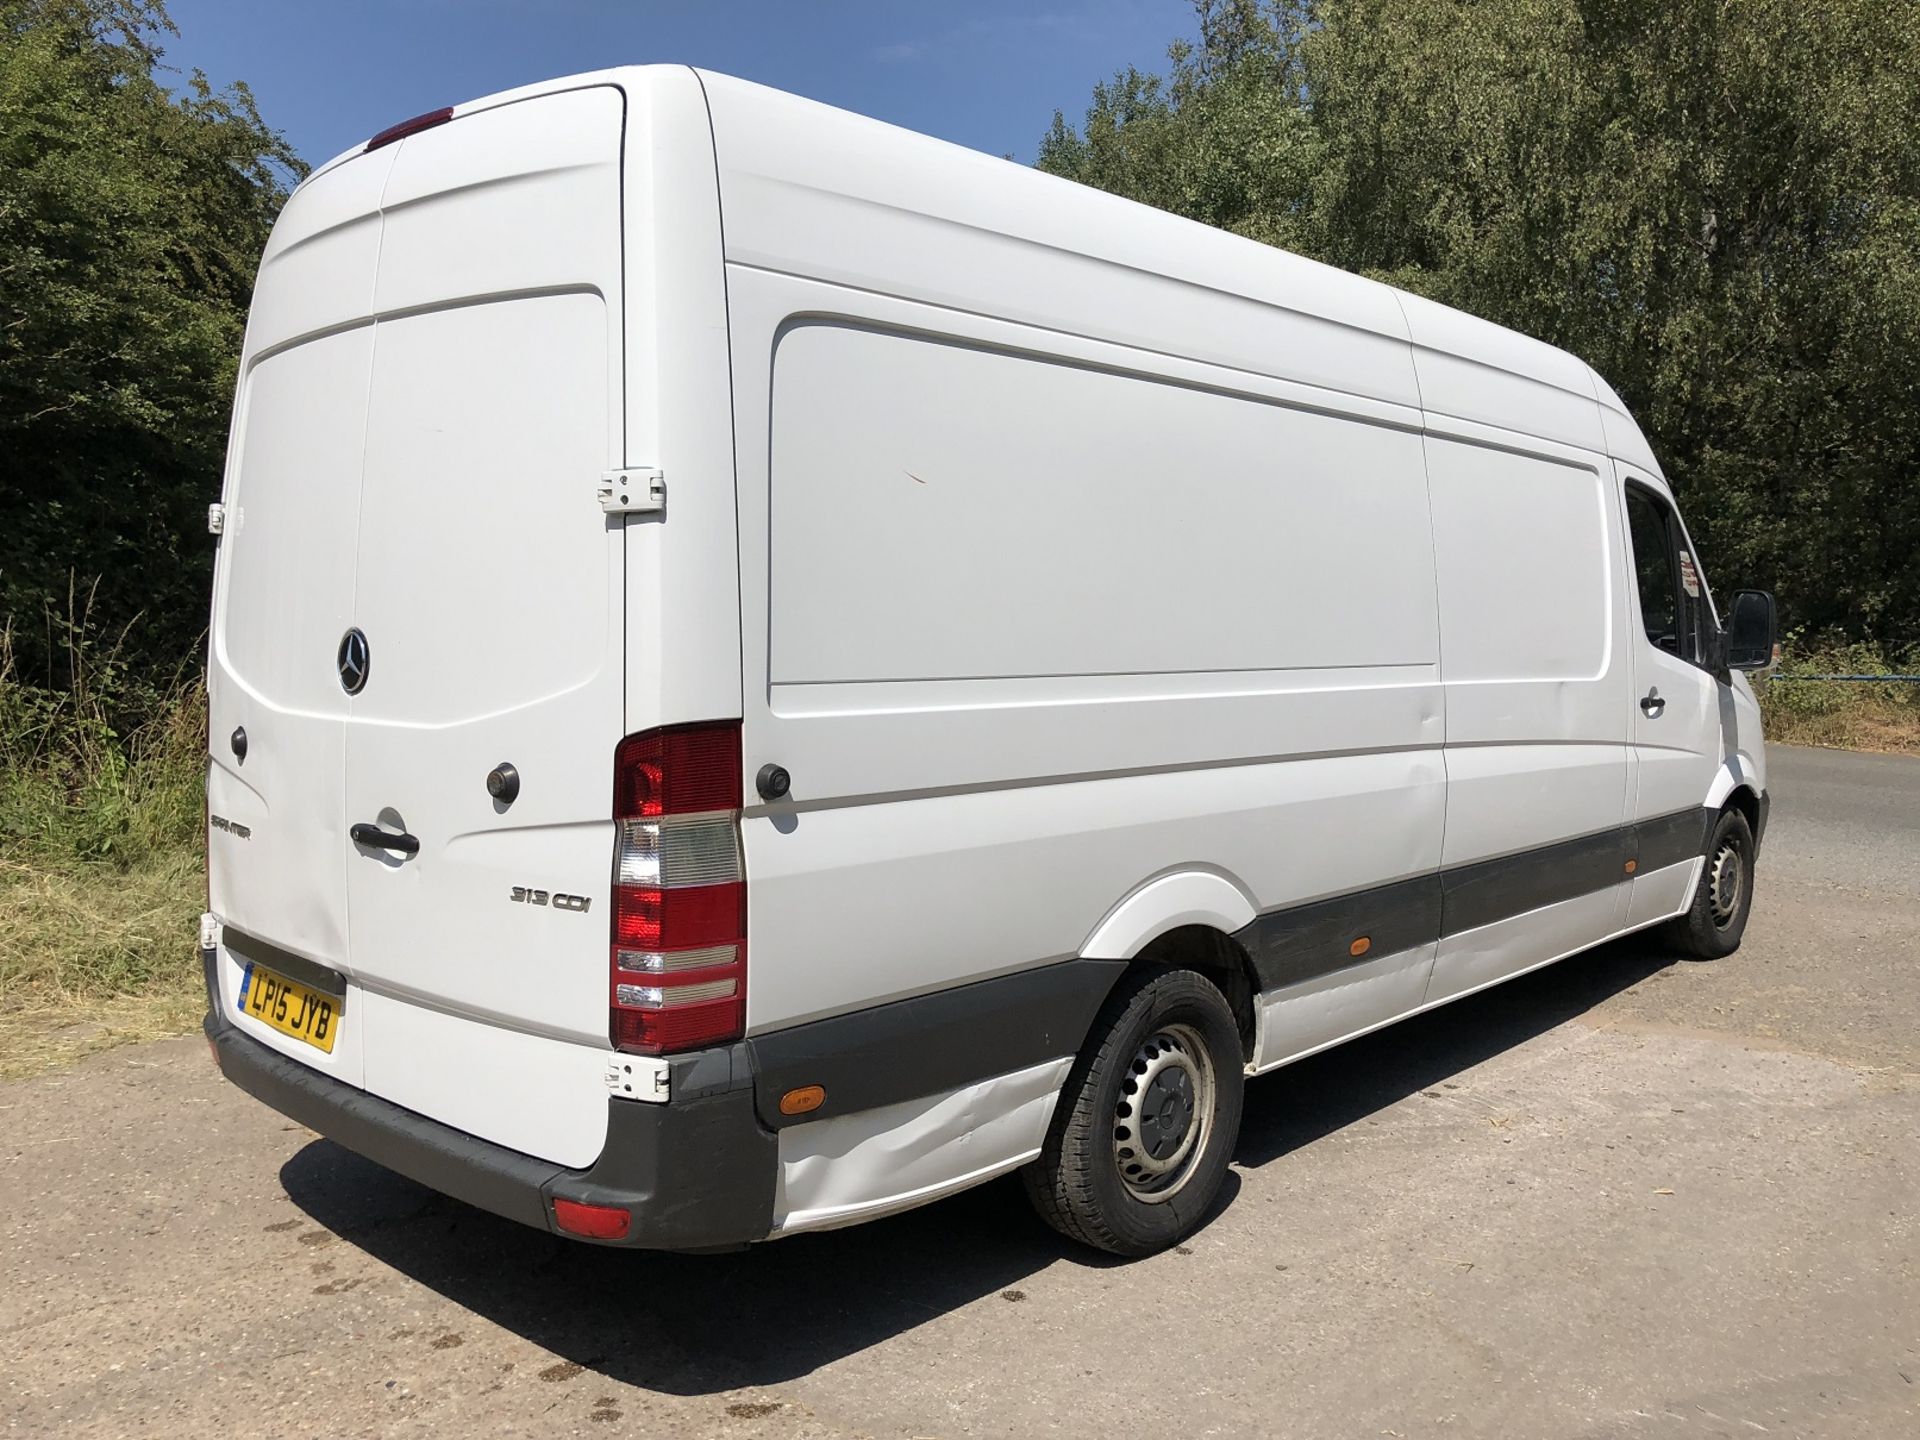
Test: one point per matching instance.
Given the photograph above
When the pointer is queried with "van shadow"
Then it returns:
(1291, 1108)
(697, 1325)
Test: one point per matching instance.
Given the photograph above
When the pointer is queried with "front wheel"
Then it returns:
(1148, 1118)
(1717, 918)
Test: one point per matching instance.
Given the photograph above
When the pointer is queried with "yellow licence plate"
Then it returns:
(290, 1007)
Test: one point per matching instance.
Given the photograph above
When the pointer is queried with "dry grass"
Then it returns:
(100, 873)
(96, 957)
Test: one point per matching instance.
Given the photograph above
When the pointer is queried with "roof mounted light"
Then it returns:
(410, 127)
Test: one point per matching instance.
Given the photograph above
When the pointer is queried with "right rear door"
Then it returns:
(490, 587)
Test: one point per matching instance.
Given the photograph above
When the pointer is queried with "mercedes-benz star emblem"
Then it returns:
(355, 660)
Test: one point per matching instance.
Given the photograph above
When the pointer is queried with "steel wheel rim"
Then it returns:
(1164, 1115)
(1726, 881)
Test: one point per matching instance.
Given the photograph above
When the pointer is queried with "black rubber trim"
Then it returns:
(1486, 891)
(1306, 942)
(250, 949)
(931, 1043)
(697, 1173)
(1672, 839)
(1760, 825)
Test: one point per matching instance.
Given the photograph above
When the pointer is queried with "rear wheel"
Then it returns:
(1147, 1121)
(1717, 918)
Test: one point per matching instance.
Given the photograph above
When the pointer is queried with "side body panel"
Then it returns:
(683, 584)
(990, 677)
(1534, 651)
(1004, 658)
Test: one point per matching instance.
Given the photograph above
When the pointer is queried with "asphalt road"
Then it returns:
(1626, 1196)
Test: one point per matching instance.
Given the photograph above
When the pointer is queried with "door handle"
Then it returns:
(374, 838)
(1652, 704)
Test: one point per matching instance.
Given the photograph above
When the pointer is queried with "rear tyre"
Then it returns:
(1717, 918)
(1148, 1118)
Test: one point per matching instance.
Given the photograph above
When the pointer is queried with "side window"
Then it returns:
(1696, 612)
(1673, 594)
(1653, 569)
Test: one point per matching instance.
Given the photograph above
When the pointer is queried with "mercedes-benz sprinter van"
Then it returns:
(766, 669)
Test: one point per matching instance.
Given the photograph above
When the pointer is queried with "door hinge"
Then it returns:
(216, 519)
(632, 492)
(637, 1077)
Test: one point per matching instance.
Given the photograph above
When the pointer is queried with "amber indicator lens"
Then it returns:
(800, 1101)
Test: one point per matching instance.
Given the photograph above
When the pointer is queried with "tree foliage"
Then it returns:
(131, 220)
(1716, 202)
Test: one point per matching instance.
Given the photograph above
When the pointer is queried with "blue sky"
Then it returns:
(329, 73)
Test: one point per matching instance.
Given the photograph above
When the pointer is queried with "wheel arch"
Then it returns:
(1736, 773)
(1218, 957)
(1164, 903)
(1746, 800)
(1187, 918)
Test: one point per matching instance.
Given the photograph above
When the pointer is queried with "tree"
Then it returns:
(131, 221)
(1715, 203)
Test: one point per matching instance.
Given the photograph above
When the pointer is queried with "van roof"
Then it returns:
(786, 139)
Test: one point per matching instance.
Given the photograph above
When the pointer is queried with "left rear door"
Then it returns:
(276, 863)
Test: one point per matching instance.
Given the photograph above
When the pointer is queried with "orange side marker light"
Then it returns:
(799, 1101)
(1360, 946)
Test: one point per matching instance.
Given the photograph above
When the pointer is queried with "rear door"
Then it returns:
(276, 862)
(489, 587)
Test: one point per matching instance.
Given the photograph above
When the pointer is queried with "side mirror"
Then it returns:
(1750, 631)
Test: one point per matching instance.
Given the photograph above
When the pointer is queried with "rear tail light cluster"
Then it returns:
(679, 951)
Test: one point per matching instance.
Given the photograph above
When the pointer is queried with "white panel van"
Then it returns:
(766, 669)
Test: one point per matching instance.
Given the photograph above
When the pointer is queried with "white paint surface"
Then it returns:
(944, 511)
(861, 1166)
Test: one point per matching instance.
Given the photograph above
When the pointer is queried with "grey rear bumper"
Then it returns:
(697, 1173)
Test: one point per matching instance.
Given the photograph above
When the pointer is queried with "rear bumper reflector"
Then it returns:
(592, 1222)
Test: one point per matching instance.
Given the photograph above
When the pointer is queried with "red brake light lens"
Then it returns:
(646, 918)
(666, 1032)
(410, 127)
(680, 771)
